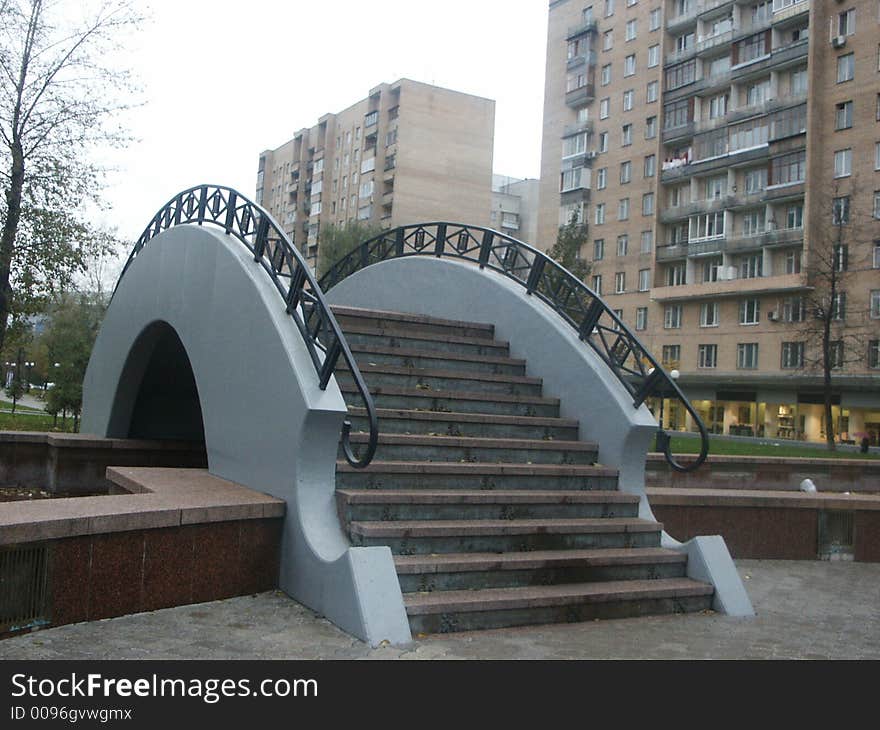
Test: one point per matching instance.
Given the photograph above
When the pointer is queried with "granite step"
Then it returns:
(454, 401)
(445, 611)
(413, 357)
(380, 319)
(357, 505)
(474, 476)
(450, 572)
(412, 339)
(461, 449)
(411, 537)
(435, 380)
(398, 420)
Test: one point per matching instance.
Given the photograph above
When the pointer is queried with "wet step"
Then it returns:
(465, 571)
(454, 401)
(396, 420)
(409, 505)
(483, 476)
(444, 611)
(456, 536)
(412, 357)
(412, 339)
(380, 319)
(378, 376)
(423, 448)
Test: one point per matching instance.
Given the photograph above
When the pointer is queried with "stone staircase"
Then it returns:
(496, 513)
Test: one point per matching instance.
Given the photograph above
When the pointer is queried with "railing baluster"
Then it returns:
(203, 203)
(535, 274)
(486, 248)
(440, 241)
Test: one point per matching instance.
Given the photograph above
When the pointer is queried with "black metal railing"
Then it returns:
(596, 324)
(257, 230)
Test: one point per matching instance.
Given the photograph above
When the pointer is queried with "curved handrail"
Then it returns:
(305, 303)
(541, 276)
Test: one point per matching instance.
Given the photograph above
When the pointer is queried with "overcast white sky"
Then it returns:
(224, 80)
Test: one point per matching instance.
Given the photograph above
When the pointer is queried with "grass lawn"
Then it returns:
(7, 405)
(685, 445)
(32, 422)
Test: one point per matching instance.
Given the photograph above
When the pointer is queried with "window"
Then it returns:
(600, 213)
(642, 319)
(676, 275)
(750, 266)
(877, 204)
(846, 22)
(707, 356)
(792, 355)
(653, 56)
(712, 269)
(672, 317)
(706, 225)
(798, 82)
(844, 115)
(598, 249)
(788, 169)
(609, 8)
(671, 356)
(623, 209)
(843, 163)
(836, 354)
(597, 284)
(749, 311)
(626, 136)
(628, 97)
(630, 30)
(840, 210)
(753, 222)
(606, 74)
(794, 216)
(755, 180)
(601, 178)
(587, 14)
(841, 257)
(875, 304)
(575, 145)
(622, 245)
(620, 282)
(604, 105)
(648, 204)
(629, 65)
(751, 48)
(793, 309)
(603, 141)
(716, 187)
(652, 90)
(625, 172)
(877, 155)
(574, 179)
(644, 279)
(747, 355)
(793, 262)
(838, 307)
(647, 245)
(575, 81)
(846, 67)
(676, 114)
(650, 127)
(654, 19)
(876, 260)
(873, 353)
(709, 314)
(607, 40)
(650, 165)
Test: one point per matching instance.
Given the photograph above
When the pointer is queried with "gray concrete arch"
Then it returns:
(267, 424)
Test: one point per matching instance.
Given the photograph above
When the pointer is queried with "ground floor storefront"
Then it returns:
(777, 413)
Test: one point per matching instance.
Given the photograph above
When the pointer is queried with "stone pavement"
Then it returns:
(806, 610)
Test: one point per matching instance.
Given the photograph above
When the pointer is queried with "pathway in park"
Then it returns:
(805, 610)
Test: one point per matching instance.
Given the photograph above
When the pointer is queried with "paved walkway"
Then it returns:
(807, 610)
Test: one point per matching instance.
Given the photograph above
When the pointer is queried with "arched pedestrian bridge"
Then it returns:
(456, 423)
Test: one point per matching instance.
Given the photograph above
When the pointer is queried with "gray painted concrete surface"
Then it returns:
(571, 371)
(805, 610)
(267, 424)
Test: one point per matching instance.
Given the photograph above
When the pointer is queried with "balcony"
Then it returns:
(787, 191)
(791, 11)
(578, 97)
(731, 244)
(580, 60)
(580, 29)
(731, 288)
(777, 57)
(700, 47)
(571, 130)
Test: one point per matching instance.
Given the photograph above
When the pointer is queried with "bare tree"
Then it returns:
(60, 94)
(832, 331)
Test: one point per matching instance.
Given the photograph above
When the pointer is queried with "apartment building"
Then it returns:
(515, 207)
(745, 137)
(409, 152)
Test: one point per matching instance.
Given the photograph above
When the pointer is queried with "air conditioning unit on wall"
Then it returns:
(838, 41)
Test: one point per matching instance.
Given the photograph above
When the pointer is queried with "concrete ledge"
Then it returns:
(158, 498)
(760, 498)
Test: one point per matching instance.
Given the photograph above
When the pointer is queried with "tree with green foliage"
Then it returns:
(567, 250)
(69, 337)
(60, 94)
(334, 242)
